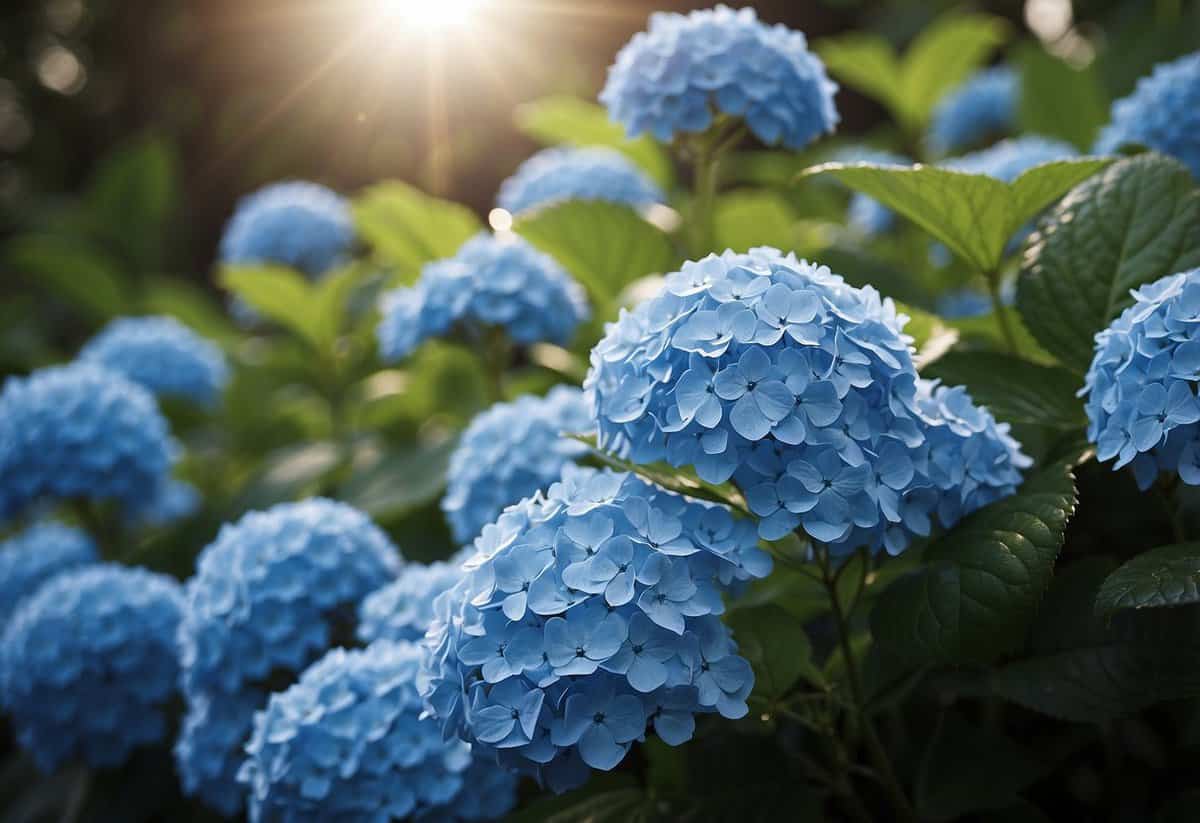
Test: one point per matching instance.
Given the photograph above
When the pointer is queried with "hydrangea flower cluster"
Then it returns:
(773, 372)
(672, 79)
(268, 596)
(1163, 113)
(587, 617)
(492, 282)
(593, 173)
(208, 751)
(37, 554)
(403, 609)
(866, 214)
(173, 500)
(509, 452)
(161, 354)
(1009, 159)
(79, 431)
(88, 663)
(348, 743)
(298, 224)
(983, 106)
(1141, 387)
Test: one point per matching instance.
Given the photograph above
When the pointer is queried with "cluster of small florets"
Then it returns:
(29, 559)
(267, 598)
(403, 609)
(509, 452)
(347, 742)
(208, 750)
(161, 354)
(673, 78)
(587, 617)
(866, 214)
(1141, 387)
(557, 174)
(983, 106)
(492, 282)
(79, 432)
(302, 225)
(774, 372)
(1163, 114)
(88, 663)
(1009, 159)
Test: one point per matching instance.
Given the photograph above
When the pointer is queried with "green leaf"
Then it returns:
(1059, 100)
(1131, 225)
(777, 647)
(402, 480)
(566, 119)
(84, 277)
(979, 589)
(131, 198)
(746, 218)
(1014, 389)
(867, 63)
(1166, 576)
(189, 303)
(407, 228)
(974, 215)
(279, 293)
(606, 246)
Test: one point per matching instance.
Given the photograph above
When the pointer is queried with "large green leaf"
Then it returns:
(1014, 389)
(940, 58)
(562, 118)
(83, 276)
(279, 293)
(979, 588)
(1058, 99)
(1166, 576)
(974, 215)
(407, 228)
(774, 642)
(606, 246)
(190, 304)
(130, 200)
(1135, 223)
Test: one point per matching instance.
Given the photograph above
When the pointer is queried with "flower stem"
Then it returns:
(879, 756)
(707, 151)
(1001, 312)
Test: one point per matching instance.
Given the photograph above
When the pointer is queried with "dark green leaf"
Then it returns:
(982, 581)
(972, 214)
(1015, 390)
(407, 228)
(398, 481)
(1135, 223)
(606, 246)
(567, 119)
(776, 645)
(131, 197)
(1166, 576)
(81, 276)
(1059, 100)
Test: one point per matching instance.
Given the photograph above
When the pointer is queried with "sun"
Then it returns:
(426, 15)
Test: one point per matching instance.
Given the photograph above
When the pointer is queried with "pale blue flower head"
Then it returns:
(674, 78)
(583, 610)
(208, 751)
(493, 282)
(510, 451)
(172, 501)
(775, 373)
(88, 665)
(161, 354)
(1141, 387)
(79, 432)
(403, 609)
(1009, 159)
(298, 224)
(984, 106)
(1163, 114)
(29, 559)
(592, 173)
(348, 743)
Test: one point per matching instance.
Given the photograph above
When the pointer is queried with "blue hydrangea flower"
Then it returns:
(172, 501)
(29, 559)
(509, 452)
(1163, 114)
(492, 282)
(79, 431)
(161, 354)
(1141, 387)
(208, 749)
(1009, 159)
(675, 77)
(985, 105)
(348, 743)
(270, 594)
(591, 173)
(961, 303)
(403, 609)
(866, 214)
(582, 611)
(88, 664)
(298, 224)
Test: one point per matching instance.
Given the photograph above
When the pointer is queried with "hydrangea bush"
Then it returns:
(557, 174)
(589, 616)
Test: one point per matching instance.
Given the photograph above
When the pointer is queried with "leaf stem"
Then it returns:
(879, 756)
(1001, 312)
